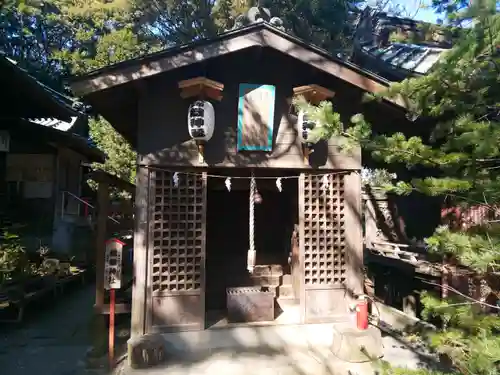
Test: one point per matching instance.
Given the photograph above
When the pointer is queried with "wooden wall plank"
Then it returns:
(354, 234)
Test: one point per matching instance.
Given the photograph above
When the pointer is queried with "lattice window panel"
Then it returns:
(178, 246)
(324, 230)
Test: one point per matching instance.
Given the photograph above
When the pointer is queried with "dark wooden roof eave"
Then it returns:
(256, 35)
(33, 89)
(72, 141)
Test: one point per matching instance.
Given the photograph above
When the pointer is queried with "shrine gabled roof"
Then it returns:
(259, 34)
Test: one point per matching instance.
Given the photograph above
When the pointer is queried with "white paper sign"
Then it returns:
(4, 141)
(113, 264)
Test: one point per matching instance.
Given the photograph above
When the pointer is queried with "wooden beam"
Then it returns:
(313, 93)
(102, 218)
(201, 87)
(107, 178)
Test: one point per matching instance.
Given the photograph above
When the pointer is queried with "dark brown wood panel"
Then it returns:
(178, 218)
(284, 155)
(163, 137)
(323, 246)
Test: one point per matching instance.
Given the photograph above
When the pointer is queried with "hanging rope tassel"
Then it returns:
(251, 222)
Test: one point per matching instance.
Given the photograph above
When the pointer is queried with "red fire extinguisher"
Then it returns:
(362, 313)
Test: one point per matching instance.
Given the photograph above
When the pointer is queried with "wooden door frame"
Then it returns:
(337, 295)
(200, 323)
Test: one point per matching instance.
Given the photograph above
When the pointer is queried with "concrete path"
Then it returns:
(303, 361)
(52, 340)
(286, 350)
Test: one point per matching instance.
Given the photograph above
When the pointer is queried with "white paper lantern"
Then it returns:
(201, 120)
(305, 126)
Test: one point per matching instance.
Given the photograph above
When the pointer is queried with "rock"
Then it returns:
(356, 346)
(146, 351)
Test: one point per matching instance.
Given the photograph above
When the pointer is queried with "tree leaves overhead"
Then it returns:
(61, 36)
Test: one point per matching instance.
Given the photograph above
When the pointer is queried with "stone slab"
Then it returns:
(146, 351)
(355, 346)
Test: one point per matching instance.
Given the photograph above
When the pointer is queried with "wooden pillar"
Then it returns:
(410, 296)
(140, 306)
(102, 218)
(354, 233)
(302, 292)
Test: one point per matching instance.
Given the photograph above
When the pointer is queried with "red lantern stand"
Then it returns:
(112, 281)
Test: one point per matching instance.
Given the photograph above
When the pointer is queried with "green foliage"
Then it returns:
(470, 338)
(377, 178)
(480, 252)
(11, 256)
(386, 369)
(427, 33)
(330, 125)
(121, 158)
(462, 96)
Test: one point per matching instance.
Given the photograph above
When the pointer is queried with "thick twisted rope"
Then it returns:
(251, 222)
(252, 215)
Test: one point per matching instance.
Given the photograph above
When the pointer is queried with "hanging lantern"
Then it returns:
(305, 127)
(313, 94)
(279, 184)
(201, 124)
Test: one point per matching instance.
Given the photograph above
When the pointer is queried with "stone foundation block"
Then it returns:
(285, 291)
(146, 351)
(355, 346)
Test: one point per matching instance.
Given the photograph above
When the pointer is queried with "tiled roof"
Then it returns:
(67, 104)
(55, 123)
(374, 51)
(413, 58)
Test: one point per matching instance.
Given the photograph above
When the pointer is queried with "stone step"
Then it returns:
(285, 291)
(266, 280)
(268, 270)
(285, 302)
(286, 279)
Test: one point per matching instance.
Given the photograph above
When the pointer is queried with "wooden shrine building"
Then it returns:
(203, 239)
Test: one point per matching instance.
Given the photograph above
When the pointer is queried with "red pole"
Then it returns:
(111, 339)
(362, 313)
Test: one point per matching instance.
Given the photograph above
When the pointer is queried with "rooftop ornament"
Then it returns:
(256, 14)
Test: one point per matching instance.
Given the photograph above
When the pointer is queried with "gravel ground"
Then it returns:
(53, 340)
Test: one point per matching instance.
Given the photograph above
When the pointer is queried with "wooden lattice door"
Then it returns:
(177, 282)
(323, 246)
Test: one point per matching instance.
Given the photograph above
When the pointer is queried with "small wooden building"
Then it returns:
(43, 144)
(193, 231)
